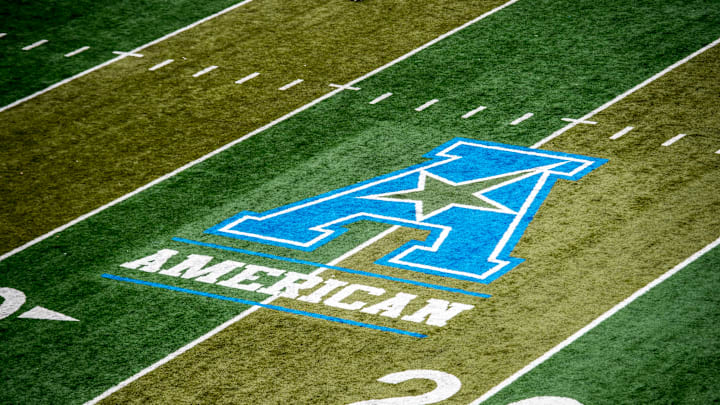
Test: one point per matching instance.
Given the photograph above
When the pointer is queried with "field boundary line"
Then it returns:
(612, 311)
(627, 93)
(248, 135)
(117, 58)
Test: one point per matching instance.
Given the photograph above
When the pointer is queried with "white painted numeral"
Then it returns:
(447, 386)
(547, 401)
(13, 300)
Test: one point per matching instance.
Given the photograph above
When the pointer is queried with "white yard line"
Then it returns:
(627, 93)
(35, 44)
(638, 293)
(178, 352)
(117, 58)
(2, 34)
(161, 64)
(621, 133)
(674, 139)
(77, 51)
(595, 323)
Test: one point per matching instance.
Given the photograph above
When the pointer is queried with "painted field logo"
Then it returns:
(475, 198)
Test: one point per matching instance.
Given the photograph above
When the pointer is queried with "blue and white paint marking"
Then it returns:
(469, 240)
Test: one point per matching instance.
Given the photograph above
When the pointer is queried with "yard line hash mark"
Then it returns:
(674, 139)
(344, 87)
(717, 152)
(206, 70)
(248, 77)
(579, 121)
(291, 84)
(426, 105)
(263, 305)
(77, 51)
(131, 53)
(473, 112)
(2, 34)
(161, 64)
(35, 44)
(621, 133)
(521, 119)
(381, 98)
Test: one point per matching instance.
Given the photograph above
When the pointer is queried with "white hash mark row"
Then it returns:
(44, 41)
(424, 106)
(669, 142)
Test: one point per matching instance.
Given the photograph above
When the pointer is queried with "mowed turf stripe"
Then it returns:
(103, 135)
(542, 302)
(662, 348)
(98, 27)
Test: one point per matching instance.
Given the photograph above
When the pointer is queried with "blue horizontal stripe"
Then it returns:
(343, 269)
(259, 304)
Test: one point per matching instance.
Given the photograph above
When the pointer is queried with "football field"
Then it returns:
(335, 202)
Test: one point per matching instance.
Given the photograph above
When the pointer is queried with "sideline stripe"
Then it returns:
(117, 58)
(627, 93)
(328, 266)
(674, 139)
(595, 323)
(77, 51)
(621, 133)
(235, 142)
(381, 98)
(161, 64)
(35, 45)
(248, 77)
(261, 305)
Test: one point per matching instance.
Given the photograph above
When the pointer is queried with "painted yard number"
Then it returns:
(14, 299)
(447, 386)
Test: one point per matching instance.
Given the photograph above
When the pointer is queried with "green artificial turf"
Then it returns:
(593, 243)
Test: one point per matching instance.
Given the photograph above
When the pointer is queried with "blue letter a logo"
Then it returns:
(475, 198)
